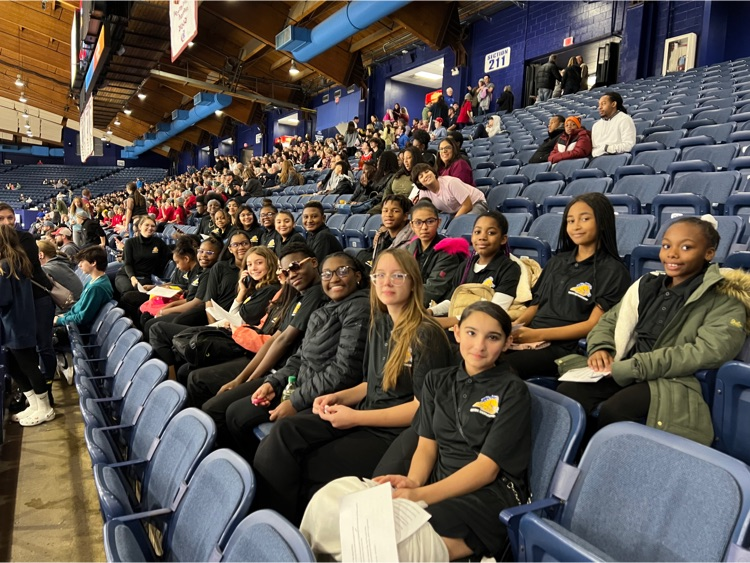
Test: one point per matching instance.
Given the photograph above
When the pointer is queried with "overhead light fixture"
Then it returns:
(141, 96)
(109, 131)
(117, 121)
(127, 111)
(104, 139)
(29, 134)
(19, 82)
(23, 99)
(428, 75)
(27, 126)
(218, 113)
(293, 70)
(404, 51)
(25, 114)
(228, 141)
(190, 43)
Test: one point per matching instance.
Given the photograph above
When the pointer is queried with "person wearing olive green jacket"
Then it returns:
(664, 330)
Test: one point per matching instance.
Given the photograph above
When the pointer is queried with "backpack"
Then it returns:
(206, 346)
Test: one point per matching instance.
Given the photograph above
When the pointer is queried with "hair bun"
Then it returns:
(711, 220)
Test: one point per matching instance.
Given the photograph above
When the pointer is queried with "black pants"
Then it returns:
(204, 383)
(160, 335)
(618, 404)
(303, 453)
(23, 366)
(537, 363)
(44, 313)
(131, 303)
(242, 416)
(397, 460)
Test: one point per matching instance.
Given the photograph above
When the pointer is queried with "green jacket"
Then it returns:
(709, 330)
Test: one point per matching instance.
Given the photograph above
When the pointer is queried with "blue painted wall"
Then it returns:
(408, 96)
(331, 114)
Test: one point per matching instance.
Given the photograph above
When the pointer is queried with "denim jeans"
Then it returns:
(543, 94)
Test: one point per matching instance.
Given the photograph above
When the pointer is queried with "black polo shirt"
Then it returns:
(567, 291)
(298, 316)
(254, 307)
(267, 236)
(657, 306)
(489, 413)
(222, 283)
(203, 275)
(92, 232)
(192, 280)
(277, 243)
(434, 353)
(501, 274)
(322, 242)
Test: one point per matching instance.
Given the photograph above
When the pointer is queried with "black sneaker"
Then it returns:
(49, 394)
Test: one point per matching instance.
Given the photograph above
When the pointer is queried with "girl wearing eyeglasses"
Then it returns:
(328, 360)
(438, 257)
(348, 431)
(285, 233)
(222, 225)
(451, 163)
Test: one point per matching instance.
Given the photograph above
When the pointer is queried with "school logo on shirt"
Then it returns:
(271, 243)
(409, 359)
(487, 406)
(254, 239)
(489, 282)
(195, 282)
(155, 250)
(582, 290)
(297, 308)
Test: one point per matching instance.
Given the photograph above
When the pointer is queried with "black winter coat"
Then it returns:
(332, 352)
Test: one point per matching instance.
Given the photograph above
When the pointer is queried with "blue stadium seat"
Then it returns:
(518, 223)
(541, 239)
(372, 226)
(461, 226)
(612, 510)
(679, 168)
(667, 138)
(567, 167)
(643, 188)
(531, 170)
(215, 499)
(718, 155)
(533, 196)
(720, 133)
(497, 195)
(354, 231)
(697, 193)
(608, 163)
(632, 230)
(731, 410)
(265, 535)
(335, 224)
(499, 173)
(557, 203)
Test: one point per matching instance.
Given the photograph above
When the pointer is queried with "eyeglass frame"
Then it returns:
(328, 274)
(419, 223)
(378, 278)
(243, 244)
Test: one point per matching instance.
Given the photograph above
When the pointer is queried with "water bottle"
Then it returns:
(289, 389)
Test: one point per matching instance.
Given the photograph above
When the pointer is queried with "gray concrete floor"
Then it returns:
(48, 505)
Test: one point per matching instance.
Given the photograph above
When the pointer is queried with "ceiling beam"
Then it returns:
(24, 14)
(433, 30)
(372, 38)
(300, 10)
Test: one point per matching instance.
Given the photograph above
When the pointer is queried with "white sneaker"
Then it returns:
(36, 418)
(68, 371)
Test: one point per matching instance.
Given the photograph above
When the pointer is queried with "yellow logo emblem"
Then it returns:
(487, 406)
(297, 308)
(271, 243)
(489, 282)
(735, 323)
(582, 290)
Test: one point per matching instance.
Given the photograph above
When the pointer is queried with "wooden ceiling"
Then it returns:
(234, 51)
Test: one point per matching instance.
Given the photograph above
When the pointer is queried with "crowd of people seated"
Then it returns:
(365, 365)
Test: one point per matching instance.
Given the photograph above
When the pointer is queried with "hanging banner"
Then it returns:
(183, 24)
(86, 130)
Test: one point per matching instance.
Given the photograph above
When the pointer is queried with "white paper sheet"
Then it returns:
(367, 526)
(583, 375)
(221, 314)
(164, 291)
(140, 288)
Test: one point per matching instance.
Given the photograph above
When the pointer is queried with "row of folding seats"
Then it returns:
(152, 461)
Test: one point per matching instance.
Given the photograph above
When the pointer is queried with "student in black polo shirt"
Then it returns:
(300, 269)
(285, 233)
(474, 426)
(578, 285)
(267, 221)
(319, 237)
(347, 432)
(490, 265)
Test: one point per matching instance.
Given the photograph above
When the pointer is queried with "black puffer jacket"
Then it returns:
(332, 352)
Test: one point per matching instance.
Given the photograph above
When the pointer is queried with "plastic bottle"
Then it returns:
(289, 389)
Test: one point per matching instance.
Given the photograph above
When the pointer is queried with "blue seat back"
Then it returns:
(187, 439)
(608, 163)
(632, 230)
(694, 500)
(645, 188)
(265, 535)
(518, 223)
(567, 167)
(731, 409)
(461, 226)
(718, 155)
(547, 227)
(587, 185)
(658, 159)
(217, 498)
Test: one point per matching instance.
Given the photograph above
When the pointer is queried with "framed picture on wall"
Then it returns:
(679, 53)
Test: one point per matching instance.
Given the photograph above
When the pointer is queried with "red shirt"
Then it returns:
(463, 113)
